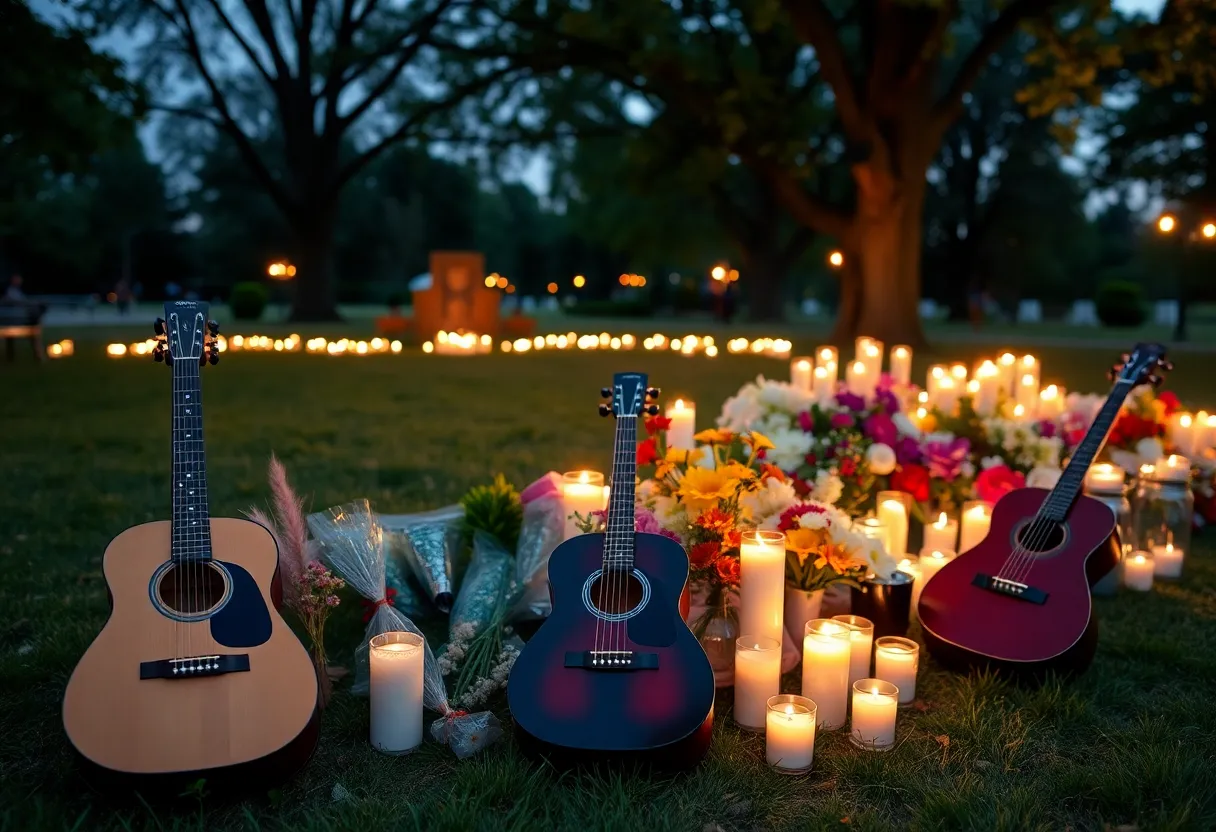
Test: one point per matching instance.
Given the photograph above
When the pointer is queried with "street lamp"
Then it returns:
(718, 272)
(1166, 224)
(836, 259)
(579, 281)
(1204, 232)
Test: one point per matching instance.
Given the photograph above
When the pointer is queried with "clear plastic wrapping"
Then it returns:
(489, 576)
(543, 528)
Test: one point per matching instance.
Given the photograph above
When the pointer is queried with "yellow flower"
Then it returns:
(702, 488)
(715, 436)
(737, 471)
(804, 541)
(757, 441)
(676, 455)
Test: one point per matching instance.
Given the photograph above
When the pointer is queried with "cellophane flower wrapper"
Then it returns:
(399, 574)
(543, 527)
(489, 573)
(429, 554)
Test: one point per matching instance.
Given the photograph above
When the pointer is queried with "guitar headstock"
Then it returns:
(629, 396)
(185, 334)
(1145, 364)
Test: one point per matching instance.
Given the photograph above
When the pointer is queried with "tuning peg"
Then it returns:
(605, 410)
(605, 392)
(652, 392)
(653, 410)
(1126, 357)
(214, 327)
(158, 354)
(1111, 374)
(1155, 379)
(159, 326)
(213, 358)
(1167, 365)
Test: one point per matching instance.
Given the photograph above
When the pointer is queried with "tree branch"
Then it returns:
(261, 19)
(805, 207)
(240, 39)
(1000, 30)
(814, 24)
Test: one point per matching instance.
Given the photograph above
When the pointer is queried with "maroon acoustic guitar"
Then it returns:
(614, 673)
(1019, 601)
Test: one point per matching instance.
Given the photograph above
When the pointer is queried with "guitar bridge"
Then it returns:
(1012, 589)
(193, 667)
(612, 660)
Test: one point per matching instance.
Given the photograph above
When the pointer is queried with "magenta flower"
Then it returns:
(841, 419)
(806, 422)
(880, 428)
(850, 401)
(885, 399)
(907, 451)
(945, 459)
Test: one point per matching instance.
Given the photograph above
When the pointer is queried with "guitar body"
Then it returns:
(662, 715)
(968, 626)
(251, 720)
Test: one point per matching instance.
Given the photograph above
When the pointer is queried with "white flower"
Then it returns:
(828, 488)
(991, 462)
(1048, 449)
(1149, 450)
(769, 500)
(784, 397)
(774, 422)
(1086, 405)
(790, 448)
(967, 469)
(648, 489)
(905, 425)
(670, 514)
(741, 409)
(881, 458)
(1043, 476)
(1126, 460)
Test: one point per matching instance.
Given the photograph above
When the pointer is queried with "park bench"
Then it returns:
(19, 319)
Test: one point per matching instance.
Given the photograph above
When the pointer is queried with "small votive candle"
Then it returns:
(941, 535)
(789, 737)
(1138, 571)
(396, 691)
(1104, 478)
(1175, 468)
(861, 641)
(826, 655)
(800, 373)
(757, 679)
(896, 660)
(875, 703)
(1167, 561)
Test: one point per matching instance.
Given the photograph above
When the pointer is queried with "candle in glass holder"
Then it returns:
(872, 528)
(910, 565)
(757, 678)
(896, 660)
(1138, 571)
(683, 416)
(977, 517)
(861, 644)
(800, 373)
(1104, 478)
(826, 653)
(1051, 402)
(894, 509)
(875, 705)
(941, 535)
(1028, 393)
(396, 692)
(761, 583)
(789, 737)
(1167, 561)
(901, 365)
(928, 565)
(1174, 467)
(860, 380)
(582, 493)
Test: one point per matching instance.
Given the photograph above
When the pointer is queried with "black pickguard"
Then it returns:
(244, 621)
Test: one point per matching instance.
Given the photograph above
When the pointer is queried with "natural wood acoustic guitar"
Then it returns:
(195, 674)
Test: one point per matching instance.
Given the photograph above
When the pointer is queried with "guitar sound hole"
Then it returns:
(1041, 536)
(615, 593)
(189, 589)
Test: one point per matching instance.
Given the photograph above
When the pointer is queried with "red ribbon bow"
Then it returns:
(454, 713)
(370, 607)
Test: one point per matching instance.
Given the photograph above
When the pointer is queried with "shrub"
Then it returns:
(611, 309)
(395, 299)
(248, 301)
(1120, 303)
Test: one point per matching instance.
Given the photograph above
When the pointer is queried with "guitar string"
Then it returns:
(617, 532)
(627, 522)
(598, 601)
(174, 551)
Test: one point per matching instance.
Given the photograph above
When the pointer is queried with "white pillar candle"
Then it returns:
(1028, 394)
(1205, 435)
(901, 365)
(945, 396)
(826, 653)
(859, 348)
(860, 380)
(872, 356)
(1181, 433)
(582, 493)
(1104, 478)
(757, 678)
(789, 737)
(861, 644)
(761, 583)
(824, 385)
(1051, 402)
(1167, 561)
(800, 373)
(977, 517)
(896, 660)
(933, 378)
(940, 535)
(1029, 365)
(827, 356)
(928, 565)
(1138, 571)
(875, 705)
(894, 508)
(396, 692)
(683, 416)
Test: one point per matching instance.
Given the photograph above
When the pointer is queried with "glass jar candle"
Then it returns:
(1163, 509)
(1105, 483)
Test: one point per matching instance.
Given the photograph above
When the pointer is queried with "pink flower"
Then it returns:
(881, 428)
(994, 483)
(840, 419)
(945, 459)
(332, 600)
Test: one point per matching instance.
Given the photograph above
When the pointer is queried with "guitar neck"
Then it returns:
(1065, 493)
(618, 541)
(191, 539)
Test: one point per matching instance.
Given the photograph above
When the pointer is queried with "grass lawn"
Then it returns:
(85, 453)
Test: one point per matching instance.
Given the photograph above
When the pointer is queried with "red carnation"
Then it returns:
(912, 479)
(1172, 405)
(702, 553)
(648, 451)
(654, 424)
(994, 483)
(728, 570)
(848, 466)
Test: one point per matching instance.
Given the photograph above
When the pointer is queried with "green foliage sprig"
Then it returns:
(494, 509)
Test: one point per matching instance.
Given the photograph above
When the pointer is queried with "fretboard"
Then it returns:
(1069, 486)
(191, 523)
(618, 542)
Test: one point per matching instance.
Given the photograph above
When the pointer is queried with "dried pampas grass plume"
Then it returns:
(288, 527)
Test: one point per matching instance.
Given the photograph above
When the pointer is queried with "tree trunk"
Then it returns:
(315, 289)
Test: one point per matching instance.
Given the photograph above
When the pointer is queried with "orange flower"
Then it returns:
(702, 488)
(737, 471)
(715, 520)
(702, 553)
(757, 441)
(715, 436)
(770, 471)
